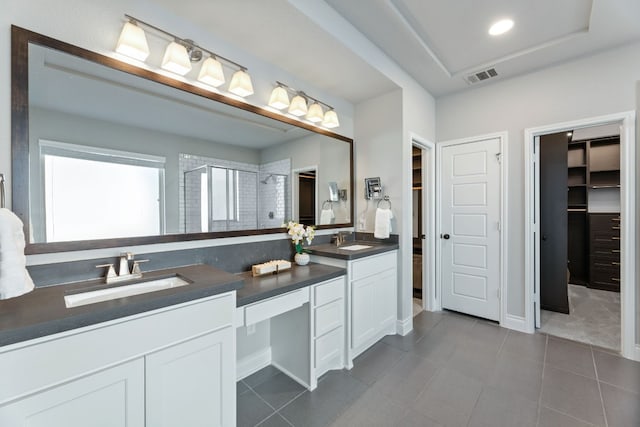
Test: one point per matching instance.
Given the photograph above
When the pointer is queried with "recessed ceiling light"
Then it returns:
(501, 27)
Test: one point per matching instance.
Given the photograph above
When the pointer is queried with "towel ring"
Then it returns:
(324, 204)
(386, 199)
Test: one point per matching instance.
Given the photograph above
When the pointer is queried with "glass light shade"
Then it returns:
(330, 119)
(133, 42)
(298, 106)
(279, 98)
(211, 72)
(176, 59)
(315, 113)
(241, 84)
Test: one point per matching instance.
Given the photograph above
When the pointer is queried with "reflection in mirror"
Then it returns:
(113, 155)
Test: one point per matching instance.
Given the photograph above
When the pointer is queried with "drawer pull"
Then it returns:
(615, 238)
(615, 263)
(615, 251)
(617, 219)
(615, 227)
(615, 280)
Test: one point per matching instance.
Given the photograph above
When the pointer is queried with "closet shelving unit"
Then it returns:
(593, 181)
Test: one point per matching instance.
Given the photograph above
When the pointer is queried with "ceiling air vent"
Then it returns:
(481, 76)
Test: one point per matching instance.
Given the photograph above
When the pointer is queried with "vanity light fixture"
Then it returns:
(298, 106)
(315, 113)
(500, 27)
(176, 59)
(133, 42)
(330, 119)
(279, 98)
(241, 83)
(303, 104)
(179, 56)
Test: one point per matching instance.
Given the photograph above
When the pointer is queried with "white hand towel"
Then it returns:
(383, 223)
(326, 216)
(14, 277)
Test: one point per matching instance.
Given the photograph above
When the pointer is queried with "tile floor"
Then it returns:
(454, 370)
(594, 318)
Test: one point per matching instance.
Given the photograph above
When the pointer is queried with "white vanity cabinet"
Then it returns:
(167, 367)
(371, 299)
(328, 320)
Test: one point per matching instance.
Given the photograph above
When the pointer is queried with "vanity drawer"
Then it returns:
(330, 291)
(373, 265)
(328, 317)
(263, 310)
(328, 347)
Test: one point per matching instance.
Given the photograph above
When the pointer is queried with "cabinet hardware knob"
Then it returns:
(614, 279)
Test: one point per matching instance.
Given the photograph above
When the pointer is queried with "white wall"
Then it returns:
(96, 25)
(588, 87)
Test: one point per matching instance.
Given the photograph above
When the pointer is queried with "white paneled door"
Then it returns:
(470, 227)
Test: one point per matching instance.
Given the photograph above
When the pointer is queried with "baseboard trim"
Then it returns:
(403, 327)
(516, 323)
(253, 363)
(636, 353)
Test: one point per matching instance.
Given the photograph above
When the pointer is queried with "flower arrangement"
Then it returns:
(299, 233)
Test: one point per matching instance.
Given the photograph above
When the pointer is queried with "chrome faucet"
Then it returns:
(123, 270)
(341, 237)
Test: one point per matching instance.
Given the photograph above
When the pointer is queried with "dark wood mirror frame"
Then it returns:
(20, 40)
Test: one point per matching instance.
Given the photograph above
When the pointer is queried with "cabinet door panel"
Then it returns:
(363, 315)
(110, 398)
(385, 298)
(192, 383)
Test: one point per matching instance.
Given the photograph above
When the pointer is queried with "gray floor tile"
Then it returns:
(261, 376)
(425, 321)
(278, 390)
(241, 388)
(374, 362)
(621, 407)
(552, 418)
(515, 374)
(529, 346)
(618, 371)
(487, 333)
(436, 347)
(496, 408)
(406, 380)
(332, 397)
(570, 356)
(250, 409)
(275, 420)
(416, 419)
(572, 394)
(404, 343)
(371, 409)
(474, 359)
(449, 398)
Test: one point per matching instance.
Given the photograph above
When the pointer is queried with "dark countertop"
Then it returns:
(43, 311)
(262, 287)
(332, 251)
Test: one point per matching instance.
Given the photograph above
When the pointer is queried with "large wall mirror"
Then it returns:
(108, 154)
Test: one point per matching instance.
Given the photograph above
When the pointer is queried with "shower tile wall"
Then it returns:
(246, 186)
(274, 198)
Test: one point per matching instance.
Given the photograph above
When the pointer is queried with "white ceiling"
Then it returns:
(438, 42)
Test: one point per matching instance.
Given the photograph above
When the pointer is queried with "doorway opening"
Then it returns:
(423, 223)
(625, 235)
(579, 237)
(305, 193)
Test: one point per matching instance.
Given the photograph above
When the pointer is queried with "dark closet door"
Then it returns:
(553, 223)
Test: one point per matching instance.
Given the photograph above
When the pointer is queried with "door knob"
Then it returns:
(422, 236)
(445, 236)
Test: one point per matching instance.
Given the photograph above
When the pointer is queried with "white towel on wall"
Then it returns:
(326, 216)
(383, 223)
(14, 277)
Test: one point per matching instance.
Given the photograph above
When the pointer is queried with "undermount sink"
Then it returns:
(100, 295)
(354, 247)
